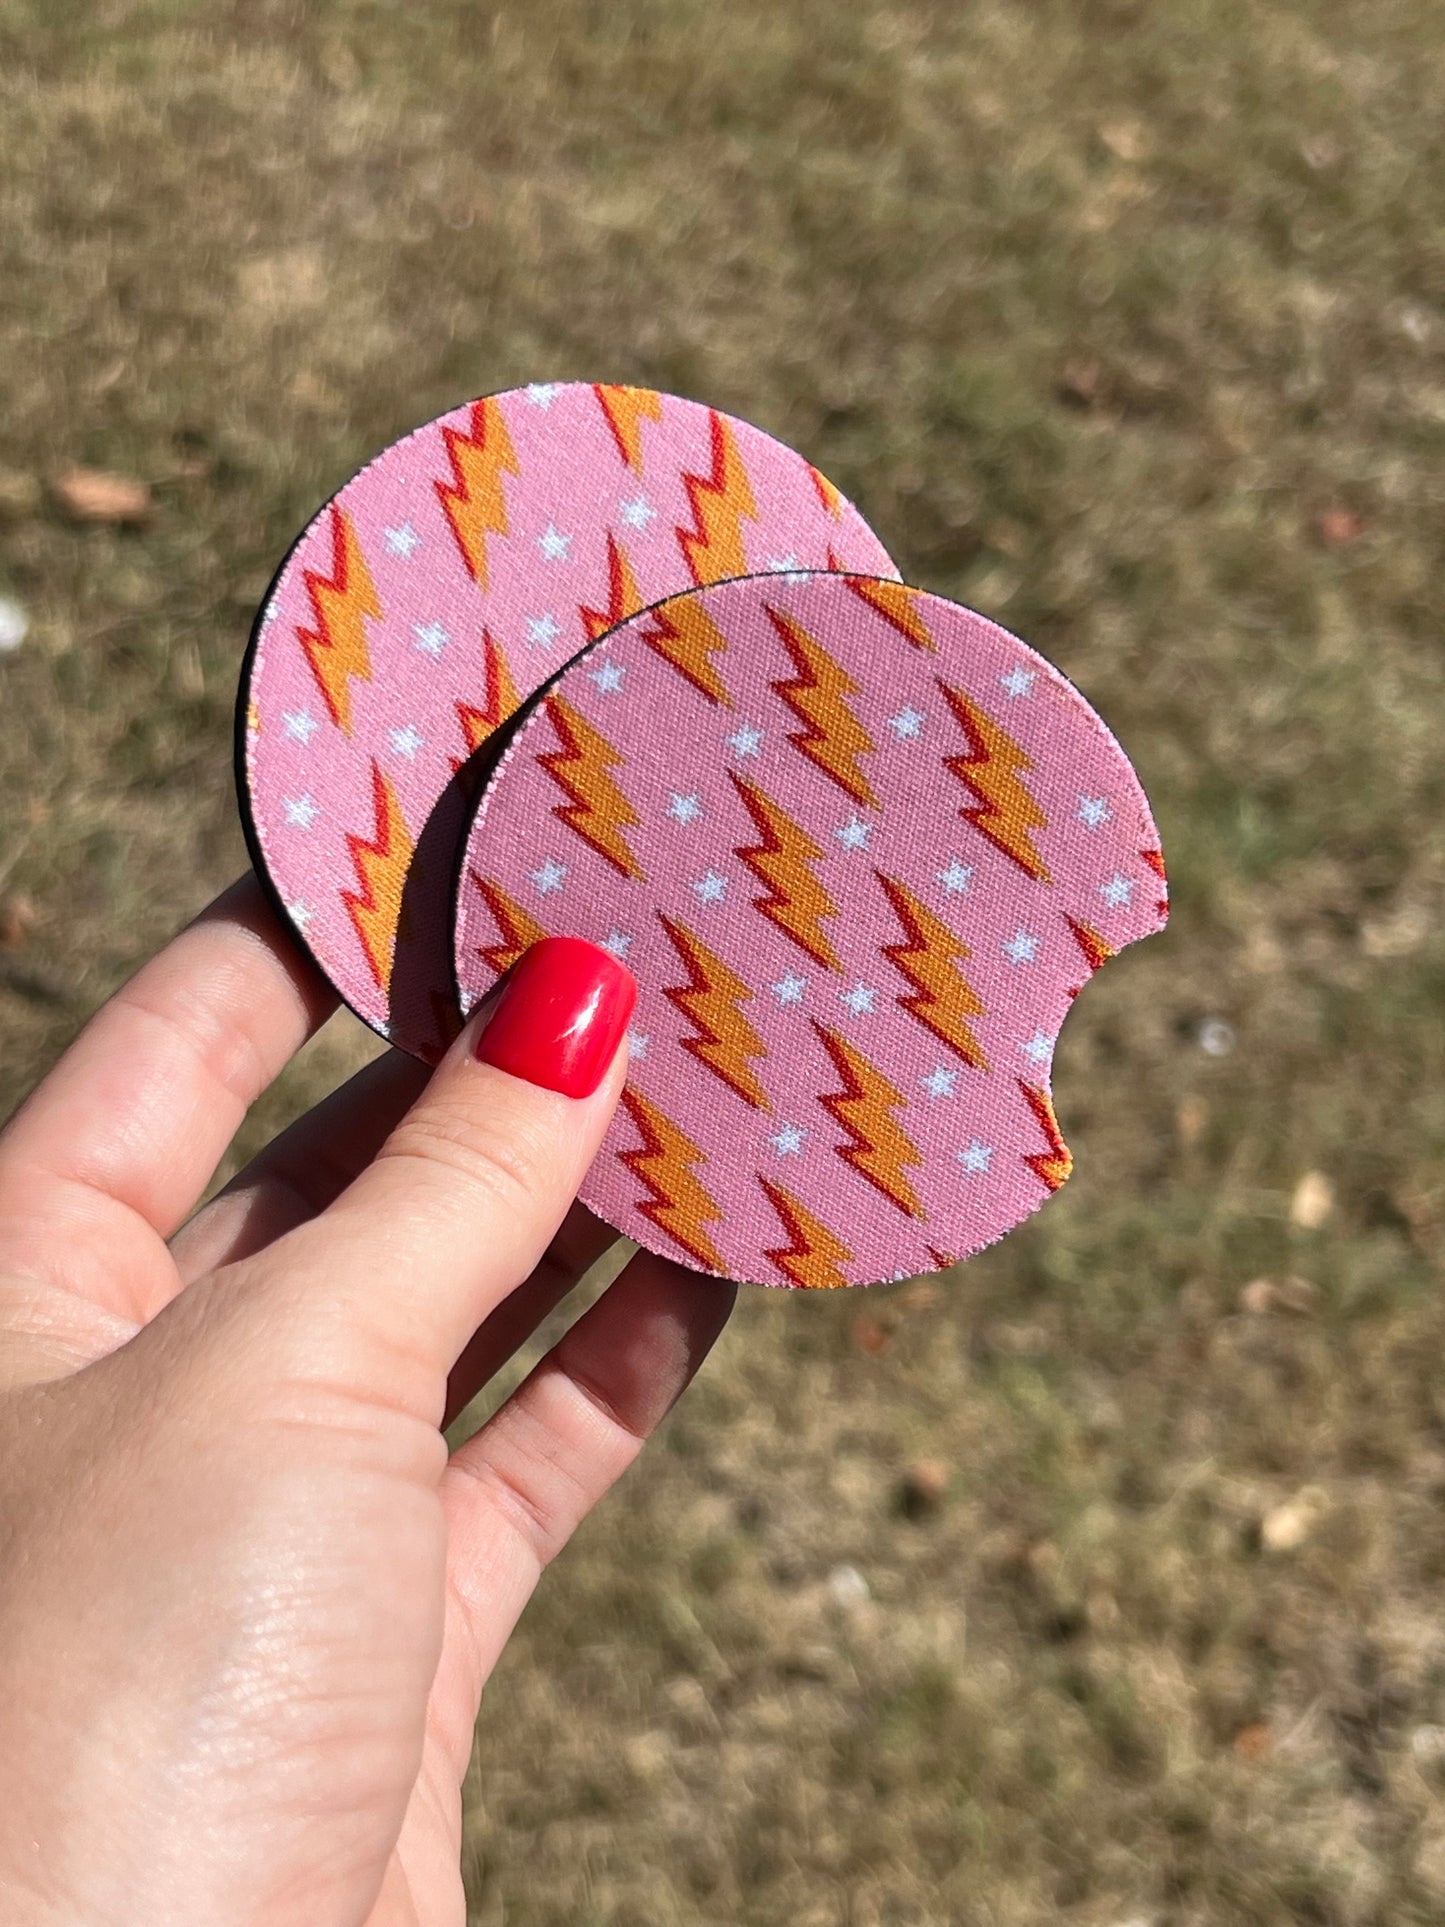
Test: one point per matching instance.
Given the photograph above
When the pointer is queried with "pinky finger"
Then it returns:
(519, 1488)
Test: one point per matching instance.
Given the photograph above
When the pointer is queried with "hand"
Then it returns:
(247, 1601)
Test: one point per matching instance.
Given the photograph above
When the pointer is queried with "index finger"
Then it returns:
(125, 1133)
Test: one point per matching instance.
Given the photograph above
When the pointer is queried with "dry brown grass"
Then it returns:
(1126, 323)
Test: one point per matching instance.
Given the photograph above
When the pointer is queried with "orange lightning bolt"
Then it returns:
(597, 810)
(720, 502)
(625, 409)
(1004, 811)
(680, 1204)
(685, 635)
(1096, 950)
(830, 497)
(499, 698)
(473, 500)
(880, 1149)
(897, 604)
(1054, 1165)
(796, 901)
(1155, 860)
(336, 648)
(381, 864)
(623, 596)
(812, 1255)
(832, 738)
(517, 929)
(712, 1001)
(942, 998)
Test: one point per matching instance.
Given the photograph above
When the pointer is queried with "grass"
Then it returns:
(1125, 323)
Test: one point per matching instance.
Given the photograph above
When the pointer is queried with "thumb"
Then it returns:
(465, 1196)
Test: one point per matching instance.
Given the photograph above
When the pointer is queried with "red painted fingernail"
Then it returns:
(559, 1016)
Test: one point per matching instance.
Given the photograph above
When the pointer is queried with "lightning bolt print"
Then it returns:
(830, 497)
(712, 1002)
(812, 1257)
(623, 596)
(499, 698)
(686, 637)
(898, 605)
(516, 928)
(1051, 1167)
(1096, 950)
(941, 998)
(1155, 860)
(878, 1148)
(678, 1202)
(992, 768)
(474, 501)
(796, 901)
(381, 863)
(336, 648)
(831, 738)
(596, 808)
(626, 409)
(721, 502)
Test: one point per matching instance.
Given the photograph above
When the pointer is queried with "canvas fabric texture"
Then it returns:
(861, 848)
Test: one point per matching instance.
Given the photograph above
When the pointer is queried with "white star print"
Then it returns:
(859, 1000)
(1039, 1048)
(746, 740)
(300, 913)
(638, 512)
(790, 989)
(608, 677)
(789, 1140)
(1021, 948)
(403, 541)
(940, 1082)
(684, 809)
(712, 888)
(975, 1158)
(300, 723)
(301, 811)
(431, 638)
(1094, 811)
(406, 742)
(956, 878)
(555, 546)
(906, 724)
(637, 1043)
(1018, 682)
(854, 833)
(1117, 891)
(786, 564)
(550, 877)
(542, 394)
(543, 630)
(617, 944)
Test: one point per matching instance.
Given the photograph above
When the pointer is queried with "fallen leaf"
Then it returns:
(1287, 1526)
(93, 495)
(923, 1487)
(1254, 1741)
(1312, 1202)
(870, 1336)
(1291, 1294)
(17, 915)
(1337, 528)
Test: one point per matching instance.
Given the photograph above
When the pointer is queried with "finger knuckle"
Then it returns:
(505, 1161)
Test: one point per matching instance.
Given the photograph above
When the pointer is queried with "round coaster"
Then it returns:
(861, 848)
(438, 590)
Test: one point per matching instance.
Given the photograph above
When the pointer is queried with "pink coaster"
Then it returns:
(442, 586)
(861, 849)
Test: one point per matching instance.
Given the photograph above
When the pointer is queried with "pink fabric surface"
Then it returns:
(861, 848)
(443, 585)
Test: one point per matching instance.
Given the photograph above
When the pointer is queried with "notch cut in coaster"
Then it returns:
(431, 597)
(861, 849)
